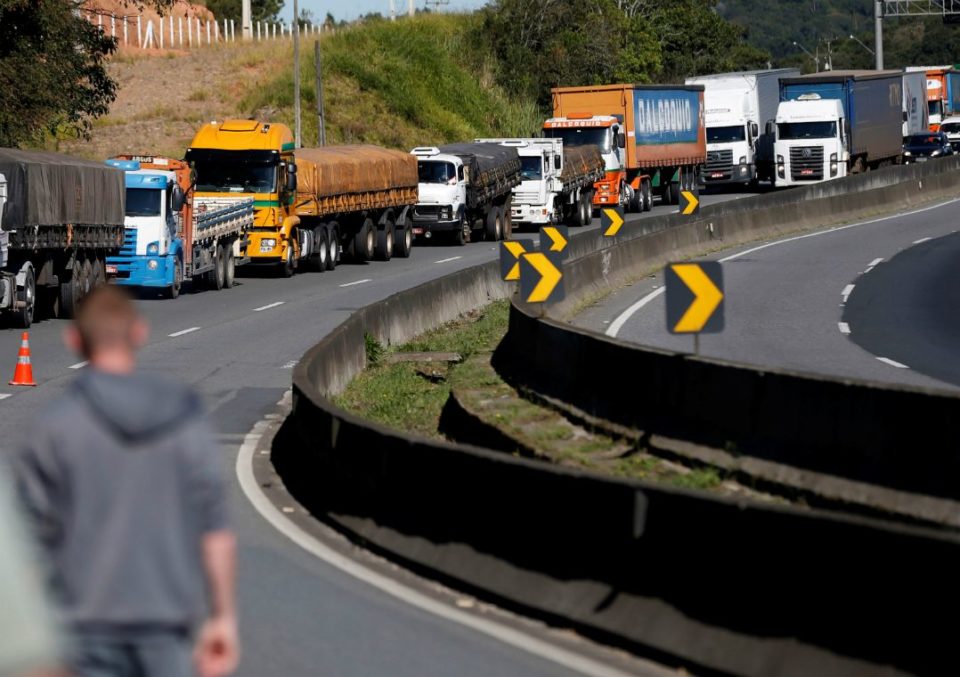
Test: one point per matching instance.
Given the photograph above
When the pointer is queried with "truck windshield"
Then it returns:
(531, 168)
(807, 130)
(935, 107)
(726, 134)
(143, 201)
(223, 176)
(582, 136)
(437, 172)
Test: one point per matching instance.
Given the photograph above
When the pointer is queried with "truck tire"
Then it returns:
(173, 291)
(69, 294)
(333, 245)
(289, 264)
(87, 281)
(99, 272)
(588, 207)
(385, 241)
(217, 274)
(402, 241)
(229, 268)
(635, 204)
(494, 225)
(23, 317)
(365, 241)
(318, 259)
(579, 216)
(646, 195)
(668, 193)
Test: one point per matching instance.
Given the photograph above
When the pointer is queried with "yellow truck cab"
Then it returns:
(239, 159)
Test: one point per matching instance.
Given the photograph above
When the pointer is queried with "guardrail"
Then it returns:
(682, 576)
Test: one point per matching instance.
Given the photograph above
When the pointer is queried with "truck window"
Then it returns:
(807, 130)
(582, 136)
(436, 172)
(531, 168)
(218, 176)
(726, 134)
(935, 107)
(143, 201)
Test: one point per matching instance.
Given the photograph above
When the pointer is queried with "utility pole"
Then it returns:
(410, 10)
(393, 11)
(246, 23)
(878, 33)
(321, 130)
(296, 75)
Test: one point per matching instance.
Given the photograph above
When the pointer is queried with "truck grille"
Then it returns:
(124, 258)
(431, 212)
(719, 165)
(528, 198)
(806, 163)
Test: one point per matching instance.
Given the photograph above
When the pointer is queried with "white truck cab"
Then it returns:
(534, 199)
(811, 143)
(442, 191)
(730, 138)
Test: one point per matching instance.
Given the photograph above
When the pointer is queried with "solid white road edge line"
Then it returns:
(892, 363)
(873, 264)
(507, 635)
(452, 258)
(844, 327)
(625, 316)
(269, 306)
(183, 331)
(350, 284)
(922, 240)
(79, 365)
(846, 292)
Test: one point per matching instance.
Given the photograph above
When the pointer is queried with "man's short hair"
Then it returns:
(106, 318)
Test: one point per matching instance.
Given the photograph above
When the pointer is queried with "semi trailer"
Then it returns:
(61, 217)
(465, 190)
(652, 138)
(556, 183)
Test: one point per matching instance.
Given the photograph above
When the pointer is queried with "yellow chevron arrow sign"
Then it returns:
(689, 203)
(611, 220)
(694, 298)
(510, 253)
(558, 240)
(540, 277)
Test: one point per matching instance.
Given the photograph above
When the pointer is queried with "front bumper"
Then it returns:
(729, 174)
(142, 271)
(533, 215)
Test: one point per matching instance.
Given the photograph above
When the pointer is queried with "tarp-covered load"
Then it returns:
(338, 170)
(49, 189)
(489, 163)
(580, 161)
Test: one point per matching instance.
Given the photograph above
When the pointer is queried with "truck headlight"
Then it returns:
(153, 264)
(743, 160)
(268, 242)
(781, 172)
(153, 248)
(834, 168)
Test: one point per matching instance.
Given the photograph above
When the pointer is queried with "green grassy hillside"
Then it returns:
(419, 81)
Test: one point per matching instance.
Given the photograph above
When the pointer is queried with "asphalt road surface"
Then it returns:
(237, 347)
(788, 303)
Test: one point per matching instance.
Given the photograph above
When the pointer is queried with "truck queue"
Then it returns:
(243, 194)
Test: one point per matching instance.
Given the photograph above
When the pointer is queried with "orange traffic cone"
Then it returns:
(23, 375)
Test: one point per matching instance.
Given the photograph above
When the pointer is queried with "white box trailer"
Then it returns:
(737, 107)
(916, 119)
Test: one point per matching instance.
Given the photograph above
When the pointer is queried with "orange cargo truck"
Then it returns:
(652, 138)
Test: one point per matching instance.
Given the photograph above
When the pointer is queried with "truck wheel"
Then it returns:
(494, 226)
(462, 235)
(588, 208)
(668, 192)
(646, 195)
(173, 291)
(365, 241)
(321, 252)
(579, 216)
(99, 273)
(218, 273)
(635, 204)
(333, 246)
(402, 241)
(70, 294)
(288, 266)
(385, 242)
(23, 317)
(229, 268)
(87, 278)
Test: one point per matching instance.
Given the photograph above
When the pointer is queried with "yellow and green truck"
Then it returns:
(312, 205)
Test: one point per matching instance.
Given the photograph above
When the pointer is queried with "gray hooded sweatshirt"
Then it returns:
(121, 480)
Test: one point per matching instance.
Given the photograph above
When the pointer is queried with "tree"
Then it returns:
(52, 70)
(260, 10)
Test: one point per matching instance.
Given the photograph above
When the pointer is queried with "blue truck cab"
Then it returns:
(152, 253)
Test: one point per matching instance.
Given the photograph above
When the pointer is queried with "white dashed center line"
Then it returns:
(846, 292)
(844, 327)
(873, 264)
(4, 396)
(79, 365)
(269, 306)
(922, 240)
(183, 331)
(350, 284)
(892, 363)
(452, 258)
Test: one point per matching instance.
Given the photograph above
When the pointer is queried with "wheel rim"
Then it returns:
(371, 243)
(29, 298)
(322, 249)
(408, 238)
(498, 228)
(389, 242)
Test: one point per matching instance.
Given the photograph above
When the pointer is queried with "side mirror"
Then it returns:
(754, 129)
(769, 129)
(557, 162)
(177, 198)
(621, 140)
(905, 116)
(291, 181)
(292, 168)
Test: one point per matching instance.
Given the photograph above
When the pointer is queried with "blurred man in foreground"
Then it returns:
(123, 486)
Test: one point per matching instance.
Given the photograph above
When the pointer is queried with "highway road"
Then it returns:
(300, 615)
(838, 302)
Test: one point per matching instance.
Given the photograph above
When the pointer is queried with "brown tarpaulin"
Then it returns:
(580, 160)
(49, 189)
(338, 170)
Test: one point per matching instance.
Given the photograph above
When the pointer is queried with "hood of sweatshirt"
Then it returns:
(138, 405)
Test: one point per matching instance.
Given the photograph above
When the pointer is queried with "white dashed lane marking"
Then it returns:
(892, 363)
(183, 332)
(922, 240)
(846, 292)
(4, 396)
(268, 306)
(844, 327)
(452, 258)
(79, 365)
(350, 284)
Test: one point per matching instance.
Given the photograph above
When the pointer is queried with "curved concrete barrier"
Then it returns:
(716, 584)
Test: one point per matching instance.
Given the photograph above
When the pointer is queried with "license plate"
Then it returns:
(716, 175)
(418, 231)
(806, 172)
(264, 248)
(111, 269)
